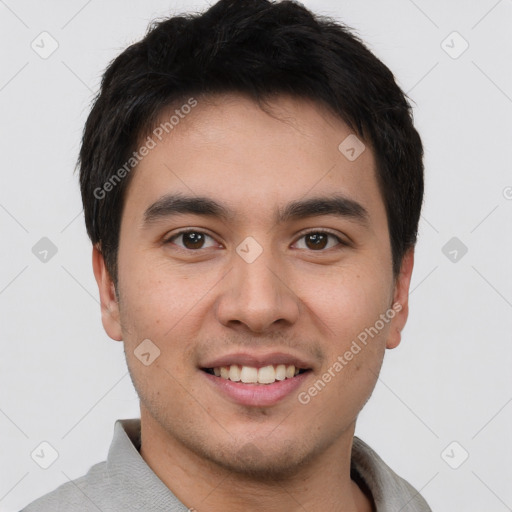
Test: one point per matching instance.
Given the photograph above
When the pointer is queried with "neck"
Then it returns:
(323, 484)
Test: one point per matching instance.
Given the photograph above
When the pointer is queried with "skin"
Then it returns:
(214, 454)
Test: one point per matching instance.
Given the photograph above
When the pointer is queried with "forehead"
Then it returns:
(254, 161)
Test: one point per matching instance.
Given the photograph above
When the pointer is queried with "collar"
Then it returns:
(128, 470)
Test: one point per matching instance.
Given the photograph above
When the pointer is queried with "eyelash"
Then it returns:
(316, 231)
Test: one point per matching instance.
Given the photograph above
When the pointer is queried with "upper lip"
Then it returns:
(258, 360)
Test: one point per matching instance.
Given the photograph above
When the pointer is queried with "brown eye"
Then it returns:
(318, 240)
(191, 240)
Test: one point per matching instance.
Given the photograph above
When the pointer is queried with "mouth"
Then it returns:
(256, 379)
(263, 375)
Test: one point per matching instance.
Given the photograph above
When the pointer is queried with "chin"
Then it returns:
(261, 461)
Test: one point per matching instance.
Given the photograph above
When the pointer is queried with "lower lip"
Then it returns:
(257, 395)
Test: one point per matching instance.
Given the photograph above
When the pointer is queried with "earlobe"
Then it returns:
(401, 300)
(110, 316)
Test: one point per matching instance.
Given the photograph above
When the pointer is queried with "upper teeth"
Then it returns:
(252, 375)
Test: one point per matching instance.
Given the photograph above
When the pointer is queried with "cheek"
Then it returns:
(155, 296)
(165, 305)
(347, 301)
(158, 309)
(354, 344)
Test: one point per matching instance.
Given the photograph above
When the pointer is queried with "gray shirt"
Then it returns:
(124, 482)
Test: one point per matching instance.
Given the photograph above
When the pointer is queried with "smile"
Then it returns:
(252, 375)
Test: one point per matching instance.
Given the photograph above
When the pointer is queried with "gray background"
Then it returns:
(63, 381)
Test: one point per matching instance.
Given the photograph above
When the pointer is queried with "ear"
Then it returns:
(401, 300)
(109, 306)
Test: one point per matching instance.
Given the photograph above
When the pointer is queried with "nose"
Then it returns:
(257, 296)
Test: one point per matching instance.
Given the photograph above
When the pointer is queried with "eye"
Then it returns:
(191, 239)
(319, 240)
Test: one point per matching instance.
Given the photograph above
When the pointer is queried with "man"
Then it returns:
(252, 184)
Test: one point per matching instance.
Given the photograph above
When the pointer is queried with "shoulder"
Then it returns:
(390, 491)
(84, 494)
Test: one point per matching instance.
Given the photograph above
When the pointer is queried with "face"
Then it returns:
(284, 267)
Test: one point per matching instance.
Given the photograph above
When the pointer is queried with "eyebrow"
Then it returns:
(179, 204)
